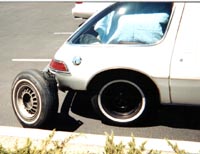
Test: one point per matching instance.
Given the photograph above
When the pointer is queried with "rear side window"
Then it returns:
(130, 22)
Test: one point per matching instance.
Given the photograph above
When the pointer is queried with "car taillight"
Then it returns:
(58, 66)
(79, 2)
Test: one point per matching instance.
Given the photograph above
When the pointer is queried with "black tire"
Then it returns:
(34, 98)
(122, 101)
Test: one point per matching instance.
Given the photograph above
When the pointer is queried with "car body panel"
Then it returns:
(184, 73)
(159, 62)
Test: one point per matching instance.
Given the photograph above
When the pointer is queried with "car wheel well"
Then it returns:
(100, 78)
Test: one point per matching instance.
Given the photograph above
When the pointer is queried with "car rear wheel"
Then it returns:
(34, 98)
(121, 101)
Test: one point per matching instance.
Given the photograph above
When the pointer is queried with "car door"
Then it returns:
(185, 64)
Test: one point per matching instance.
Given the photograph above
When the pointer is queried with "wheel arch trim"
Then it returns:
(119, 71)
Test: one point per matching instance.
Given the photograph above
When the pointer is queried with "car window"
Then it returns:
(130, 22)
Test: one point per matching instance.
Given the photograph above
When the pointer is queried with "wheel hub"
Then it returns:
(120, 103)
(29, 100)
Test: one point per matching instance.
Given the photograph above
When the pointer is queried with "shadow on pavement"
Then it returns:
(63, 121)
(180, 117)
(171, 116)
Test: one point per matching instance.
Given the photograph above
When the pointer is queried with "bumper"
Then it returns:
(66, 81)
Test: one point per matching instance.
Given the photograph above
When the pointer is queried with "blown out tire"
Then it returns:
(34, 98)
(121, 101)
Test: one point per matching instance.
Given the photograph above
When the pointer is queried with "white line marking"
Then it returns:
(62, 33)
(31, 60)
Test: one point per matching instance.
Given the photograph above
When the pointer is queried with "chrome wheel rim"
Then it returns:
(26, 101)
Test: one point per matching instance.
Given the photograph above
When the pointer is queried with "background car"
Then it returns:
(86, 9)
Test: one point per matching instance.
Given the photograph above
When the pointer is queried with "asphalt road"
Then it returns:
(34, 31)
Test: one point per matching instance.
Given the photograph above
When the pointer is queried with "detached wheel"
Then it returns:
(121, 101)
(34, 98)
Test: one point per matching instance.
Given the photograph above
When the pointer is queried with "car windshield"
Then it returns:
(128, 23)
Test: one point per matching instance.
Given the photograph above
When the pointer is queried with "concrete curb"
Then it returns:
(86, 143)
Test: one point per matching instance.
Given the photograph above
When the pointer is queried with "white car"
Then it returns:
(87, 9)
(130, 57)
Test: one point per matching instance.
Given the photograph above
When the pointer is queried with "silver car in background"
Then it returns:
(87, 9)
